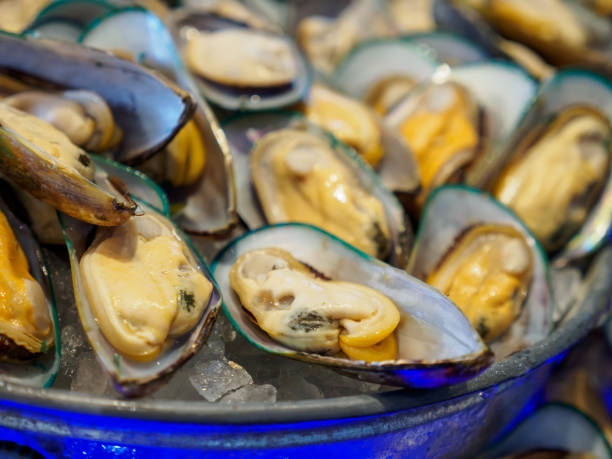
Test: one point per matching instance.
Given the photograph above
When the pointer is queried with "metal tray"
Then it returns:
(456, 421)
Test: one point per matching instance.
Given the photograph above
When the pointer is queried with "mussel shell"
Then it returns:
(134, 378)
(125, 86)
(567, 88)
(458, 17)
(41, 371)
(232, 97)
(448, 212)
(244, 130)
(208, 206)
(450, 48)
(466, 354)
(374, 60)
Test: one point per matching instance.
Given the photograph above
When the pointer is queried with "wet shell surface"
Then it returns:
(431, 352)
(245, 132)
(41, 364)
(155, 353)
(449, 213)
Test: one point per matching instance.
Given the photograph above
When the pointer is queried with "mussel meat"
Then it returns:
(557, 174)
(299, 178)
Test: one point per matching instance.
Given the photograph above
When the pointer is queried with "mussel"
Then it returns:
(44, 162)
(29, 335)
(479, 254)
(82, 115)
(557, 173)
(355, 124)
(555, 169)
(145, 298)
(280, 273)
(240, 67)
(384, 70)
(288, 169)
(326, 40)
(457, 122)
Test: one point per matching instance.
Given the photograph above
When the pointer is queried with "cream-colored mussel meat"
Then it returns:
(557, 174)
(299, 178)
(143, 286)
(486, 273)
(349, 120)
(441, 126)
(309, 313)
(25, 325)
(241, 57)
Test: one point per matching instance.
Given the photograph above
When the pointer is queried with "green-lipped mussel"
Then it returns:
(477, 252)
(145, 298)
(287, 289)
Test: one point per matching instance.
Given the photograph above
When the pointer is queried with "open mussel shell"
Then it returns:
(131, 377)
(460, 19)
(556, 428)
(564, 32)
(226, 89)
(448, 352)
(133, 93)
(494, 95)
(40, 371)
(569, 88)
(208, 206)
(372, 62)
(452, 209)
(243, 131)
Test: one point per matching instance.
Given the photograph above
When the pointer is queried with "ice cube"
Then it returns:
(251, 393)
(216, 378)
(90, 377)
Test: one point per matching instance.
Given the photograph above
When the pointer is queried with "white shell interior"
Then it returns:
(374, 60)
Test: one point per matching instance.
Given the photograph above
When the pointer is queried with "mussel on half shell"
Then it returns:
(479, 253)
(431, 352)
